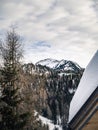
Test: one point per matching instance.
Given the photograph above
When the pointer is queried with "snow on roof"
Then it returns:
(87, 85)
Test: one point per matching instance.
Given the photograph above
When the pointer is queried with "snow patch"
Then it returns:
(49, 123)
(71, 90)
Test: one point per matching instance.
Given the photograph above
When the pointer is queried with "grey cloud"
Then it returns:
(70, 26)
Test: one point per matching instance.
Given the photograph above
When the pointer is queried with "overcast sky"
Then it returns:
(58, 29)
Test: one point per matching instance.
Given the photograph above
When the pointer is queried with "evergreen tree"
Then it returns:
(11, 118)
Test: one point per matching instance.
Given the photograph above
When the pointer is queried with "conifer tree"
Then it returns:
(11, 53)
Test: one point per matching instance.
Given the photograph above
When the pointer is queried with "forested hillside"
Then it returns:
(52, 90)
(29, 90)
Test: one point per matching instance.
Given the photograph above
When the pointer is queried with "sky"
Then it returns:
(57, 29)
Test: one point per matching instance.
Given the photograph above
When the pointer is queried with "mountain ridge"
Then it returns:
(60, 65)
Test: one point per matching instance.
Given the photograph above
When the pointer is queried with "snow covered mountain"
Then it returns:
(62, 65)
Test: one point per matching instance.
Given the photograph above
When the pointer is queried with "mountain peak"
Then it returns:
(51, 63)
(63, 65)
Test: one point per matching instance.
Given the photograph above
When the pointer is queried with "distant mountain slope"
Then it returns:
(51, 63)
(62, 65)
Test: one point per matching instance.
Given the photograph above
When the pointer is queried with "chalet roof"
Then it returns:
(87, 116)
(87, 86)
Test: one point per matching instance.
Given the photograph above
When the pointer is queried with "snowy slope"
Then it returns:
(60, 65)
(66, 64)
(49, 123)
(88, 84)
(48, 62)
